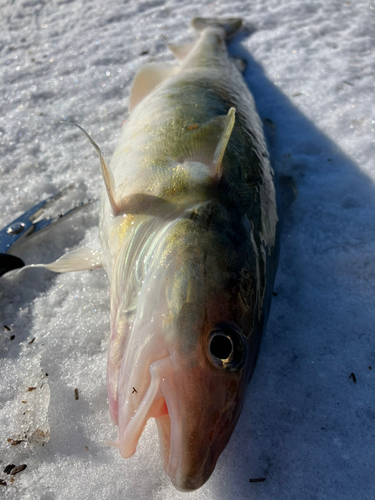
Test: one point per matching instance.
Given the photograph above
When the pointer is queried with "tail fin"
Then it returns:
(230, 24)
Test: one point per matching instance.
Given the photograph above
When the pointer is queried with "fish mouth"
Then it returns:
(190, 444)
(168, 417)
(160, 402)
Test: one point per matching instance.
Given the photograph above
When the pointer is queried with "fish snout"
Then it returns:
(208, 404)
(187, 482)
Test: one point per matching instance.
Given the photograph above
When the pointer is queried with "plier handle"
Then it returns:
(24, 226)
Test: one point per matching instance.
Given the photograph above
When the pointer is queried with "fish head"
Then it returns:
(193, 361)
(210, 351)
(205, 395)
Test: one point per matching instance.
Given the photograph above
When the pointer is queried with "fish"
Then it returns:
(189, 231)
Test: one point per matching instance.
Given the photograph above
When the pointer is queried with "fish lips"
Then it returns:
(196, 406)
(204, 405)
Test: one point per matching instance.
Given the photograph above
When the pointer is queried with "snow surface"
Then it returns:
(307, 427)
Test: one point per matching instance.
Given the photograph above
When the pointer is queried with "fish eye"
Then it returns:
(226, 348)
(221, 346)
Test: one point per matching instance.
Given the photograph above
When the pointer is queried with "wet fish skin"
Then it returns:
(190, 252)
(205, 250)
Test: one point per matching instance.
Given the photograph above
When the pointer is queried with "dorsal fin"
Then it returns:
(181, 51)
(147, 78)
(207, 143)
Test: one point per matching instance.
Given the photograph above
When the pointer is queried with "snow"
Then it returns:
(307, 427)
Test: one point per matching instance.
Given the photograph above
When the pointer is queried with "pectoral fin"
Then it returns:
(147, 78)
(83, 259)
(207, 143)
(106, 171)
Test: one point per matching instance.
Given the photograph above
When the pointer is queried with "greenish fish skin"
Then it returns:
(191, 253)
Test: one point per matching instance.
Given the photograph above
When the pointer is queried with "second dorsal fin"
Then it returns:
(147, 79)
(181, 51)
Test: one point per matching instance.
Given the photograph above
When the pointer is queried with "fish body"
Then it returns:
(189, 235)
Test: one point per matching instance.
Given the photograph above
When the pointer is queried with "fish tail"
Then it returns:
(230, 24)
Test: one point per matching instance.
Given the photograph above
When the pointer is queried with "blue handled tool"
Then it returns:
(24, 227)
